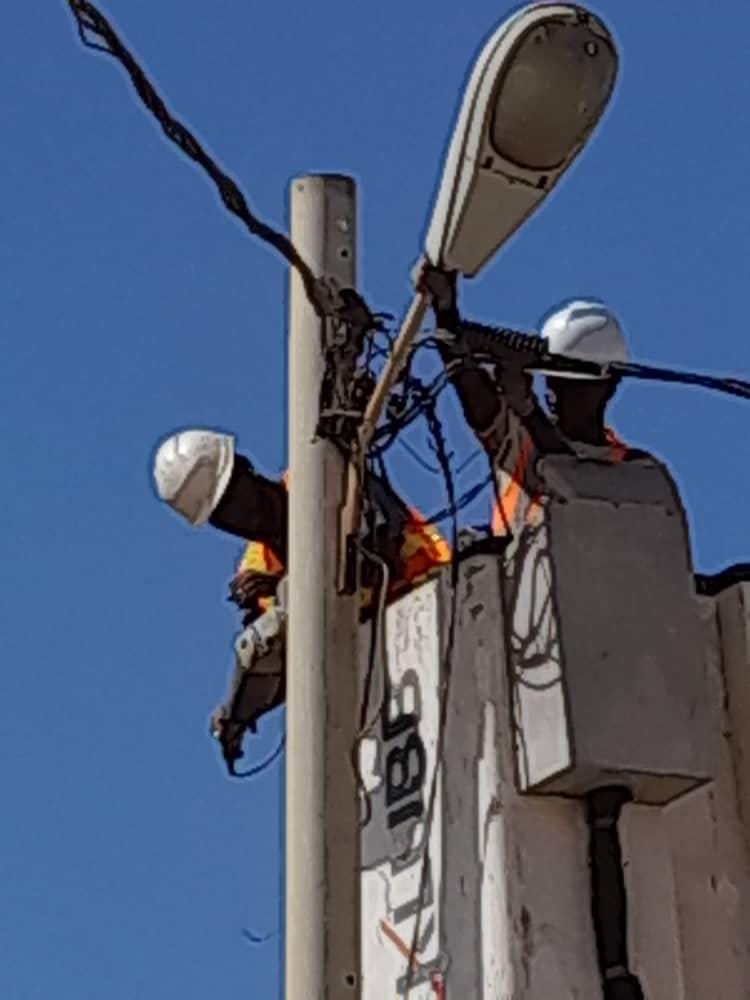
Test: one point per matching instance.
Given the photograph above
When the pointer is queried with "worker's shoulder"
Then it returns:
(631, 454)
(644, 457)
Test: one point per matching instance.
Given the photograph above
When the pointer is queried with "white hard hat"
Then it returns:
(585, 329)
(192, 470)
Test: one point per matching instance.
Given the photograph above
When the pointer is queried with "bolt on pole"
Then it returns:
(322, 805)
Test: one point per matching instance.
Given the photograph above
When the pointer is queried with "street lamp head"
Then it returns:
(537, 90)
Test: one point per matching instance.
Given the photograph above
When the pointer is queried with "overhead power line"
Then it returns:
(96, 32)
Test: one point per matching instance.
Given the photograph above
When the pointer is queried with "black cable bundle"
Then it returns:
(608, 897)
(498, 343)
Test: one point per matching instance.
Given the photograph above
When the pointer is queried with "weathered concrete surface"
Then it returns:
(507, 911)
(688, 867)
(601, 615)
(398, 762)
(734, 636)
(535, 933)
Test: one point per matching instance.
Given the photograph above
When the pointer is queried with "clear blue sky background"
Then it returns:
(133, 305)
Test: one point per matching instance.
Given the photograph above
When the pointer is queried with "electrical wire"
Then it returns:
(264, 764)
(433, 469)
(376, 646)
(721, 383)
(426, 394)
(91, 22)
(463, 501)
(469, 460)
(442, 454)
(414, 454)
(254, 938)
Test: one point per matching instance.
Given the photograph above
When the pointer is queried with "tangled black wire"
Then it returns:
(414, 401)
(91, 22)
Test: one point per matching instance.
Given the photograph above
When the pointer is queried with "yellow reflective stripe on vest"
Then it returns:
(259, 558)
(422, 549)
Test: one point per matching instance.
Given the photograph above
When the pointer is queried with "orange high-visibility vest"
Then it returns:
(507, 507)
(422, 549)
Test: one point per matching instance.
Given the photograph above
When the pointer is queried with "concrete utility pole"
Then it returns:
(322, 819)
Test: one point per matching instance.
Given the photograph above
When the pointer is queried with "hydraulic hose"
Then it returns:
(608, 897)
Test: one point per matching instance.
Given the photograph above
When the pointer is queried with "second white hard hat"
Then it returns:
(585, 329)
(191, 472)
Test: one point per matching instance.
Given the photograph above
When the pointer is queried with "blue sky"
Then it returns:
(133, 305)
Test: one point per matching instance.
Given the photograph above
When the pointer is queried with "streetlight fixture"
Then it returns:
(537, 91)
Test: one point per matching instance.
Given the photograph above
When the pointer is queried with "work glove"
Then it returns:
(439, 285)
(249, 587)
(229, 734)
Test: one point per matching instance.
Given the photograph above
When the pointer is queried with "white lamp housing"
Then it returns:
(535, 95)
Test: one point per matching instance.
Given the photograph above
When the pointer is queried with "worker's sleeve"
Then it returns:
(510, 448)
(474, 387)
(490, 413)
(514, 443)
(254, 507)
(544, 434)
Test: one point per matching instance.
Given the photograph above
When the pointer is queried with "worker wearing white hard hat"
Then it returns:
(583, 330)
(503, 411)
(198, 473)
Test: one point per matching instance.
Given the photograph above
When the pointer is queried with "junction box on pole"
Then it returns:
(603, 636)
